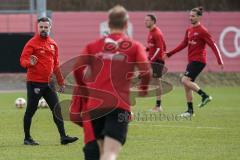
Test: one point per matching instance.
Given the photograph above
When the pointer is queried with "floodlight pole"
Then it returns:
(32, 10)
(41, 8)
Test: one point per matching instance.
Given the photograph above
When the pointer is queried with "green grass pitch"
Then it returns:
(213, 134)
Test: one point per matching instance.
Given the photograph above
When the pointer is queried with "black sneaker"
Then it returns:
(67, 139)
(205, 100)
(30, 141)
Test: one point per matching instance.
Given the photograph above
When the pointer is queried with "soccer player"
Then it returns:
(40, 57)
(77, 107)
(156, 48)
(117, 55)
(196, 38)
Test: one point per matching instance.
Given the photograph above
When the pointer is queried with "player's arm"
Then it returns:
(160, 47)
(25, 59)
(180, 47)
(83, 63)
(144, 68)
(209, 40)
(57, 70)
(80, 69)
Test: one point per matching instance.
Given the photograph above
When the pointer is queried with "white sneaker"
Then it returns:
(157, 109)
(186, 114)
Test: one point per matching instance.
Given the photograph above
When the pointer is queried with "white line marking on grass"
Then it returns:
(12, 91)
(174, 126)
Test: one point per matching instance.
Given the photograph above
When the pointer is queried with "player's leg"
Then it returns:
(189, 98)
(52, 100)
(98, 127)
(187, 81)
(100, 145)
(91, 151)
(33, 96)
(192, 71)
(115, 133)
(158, 106)
(157, 68)
(111, 148)
(188, 93)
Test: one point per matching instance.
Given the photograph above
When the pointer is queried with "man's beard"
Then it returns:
(43, 34)
(148, 26)
(193, 22)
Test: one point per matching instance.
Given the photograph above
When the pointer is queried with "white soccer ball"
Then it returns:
(20, 103)
(42, 103)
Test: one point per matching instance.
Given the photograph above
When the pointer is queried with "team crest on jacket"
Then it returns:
(52, 47)
(42, 51)
(36, 90)
(195, 33)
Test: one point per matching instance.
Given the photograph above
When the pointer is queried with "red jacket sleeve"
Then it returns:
(209, 40)
(57, 70)
(80, 66)
(25, 56)
(143, 66)
(181, 46)
(160, 45)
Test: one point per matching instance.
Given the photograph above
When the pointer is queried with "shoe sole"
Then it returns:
(206, 101)
(156, 111)
(30, 144)
(67, 142)
(184, 116)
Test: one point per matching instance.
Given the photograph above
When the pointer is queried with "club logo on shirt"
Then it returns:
(125, 45)
(111, 56)
(52, 47)
(151, 44)
(42, 51)
(112, 45)
(36, 90)
(192, 42)
(195, 33)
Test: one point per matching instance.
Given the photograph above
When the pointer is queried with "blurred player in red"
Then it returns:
(156, 48)
(77, 107)
(109, 61)
(196, 38)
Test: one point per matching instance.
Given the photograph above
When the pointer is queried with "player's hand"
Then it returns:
(143, 91)
(61, 89)
(221, 66)
(165, 56)
(33, 60)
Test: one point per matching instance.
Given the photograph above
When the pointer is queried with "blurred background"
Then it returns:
(76, 22)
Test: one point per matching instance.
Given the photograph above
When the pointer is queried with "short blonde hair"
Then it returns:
(117, 17)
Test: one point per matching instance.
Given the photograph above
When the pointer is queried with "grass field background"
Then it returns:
(213, 134)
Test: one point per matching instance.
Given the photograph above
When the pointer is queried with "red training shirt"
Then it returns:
(196, 39)
(156, 45)
(115, 54)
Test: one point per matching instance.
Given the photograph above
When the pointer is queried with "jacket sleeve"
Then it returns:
(57, 70)
(83, 66)
(181, 46)
(160, 45)
(25, 56)
(209, 40)
(143, 66)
